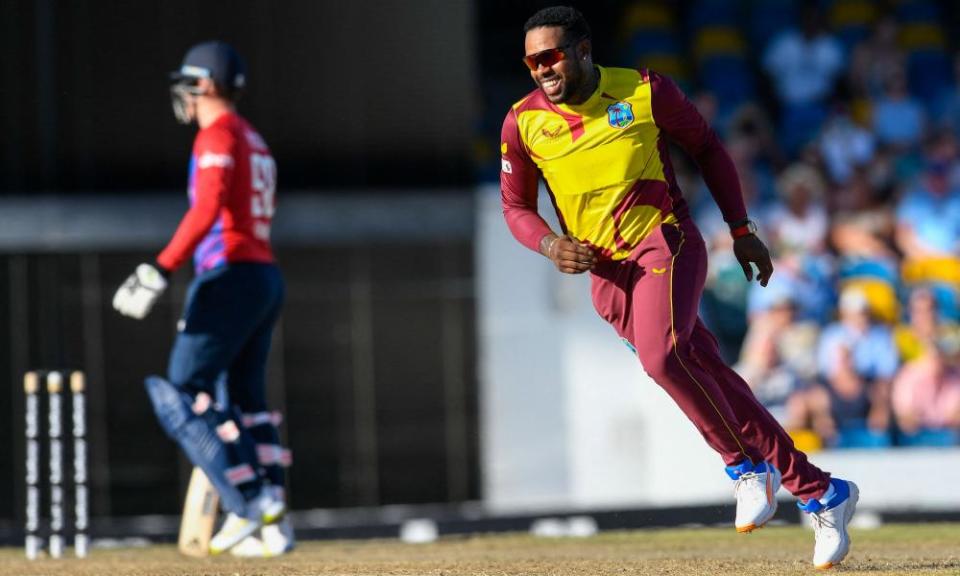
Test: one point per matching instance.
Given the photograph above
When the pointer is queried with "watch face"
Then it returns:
(752, 226)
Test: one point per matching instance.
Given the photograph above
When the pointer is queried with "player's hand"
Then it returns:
(568, 255)
(139, 291)
(749, 249)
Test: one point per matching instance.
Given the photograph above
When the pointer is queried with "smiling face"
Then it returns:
(563, 68)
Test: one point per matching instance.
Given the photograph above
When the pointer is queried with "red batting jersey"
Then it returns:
(231, 189)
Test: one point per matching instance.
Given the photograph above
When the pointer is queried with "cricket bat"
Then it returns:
(199, 516)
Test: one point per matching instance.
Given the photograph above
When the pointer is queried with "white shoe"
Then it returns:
(265, 509)
(830, 526)
(273, 540)
(235, 529)
(756, 492)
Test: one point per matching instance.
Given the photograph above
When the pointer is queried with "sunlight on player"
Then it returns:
(598, 138)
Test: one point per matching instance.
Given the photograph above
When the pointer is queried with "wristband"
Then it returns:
(743, 228)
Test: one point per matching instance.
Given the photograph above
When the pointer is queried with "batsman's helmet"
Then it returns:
(215, 60)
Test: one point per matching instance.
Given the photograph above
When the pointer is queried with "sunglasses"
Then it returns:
(548, 57)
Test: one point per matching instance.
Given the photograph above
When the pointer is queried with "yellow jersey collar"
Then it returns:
(593, 99)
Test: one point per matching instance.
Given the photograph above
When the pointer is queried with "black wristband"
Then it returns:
(163, 271)
(738, 223)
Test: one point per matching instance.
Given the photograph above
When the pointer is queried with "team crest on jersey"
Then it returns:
(620, 115)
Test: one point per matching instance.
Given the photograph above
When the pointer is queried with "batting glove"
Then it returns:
(139, 291)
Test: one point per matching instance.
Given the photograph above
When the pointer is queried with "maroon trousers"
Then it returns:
(652, 300)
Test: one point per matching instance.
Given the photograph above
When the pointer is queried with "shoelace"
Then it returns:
(820, 522)
(743, 480)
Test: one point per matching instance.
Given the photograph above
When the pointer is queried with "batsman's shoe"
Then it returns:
(267, 507)
(235, 529)
(830, 520)
(273, 540)
(756, 492)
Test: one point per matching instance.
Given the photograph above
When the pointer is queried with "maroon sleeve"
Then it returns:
(682, 123)
(214, 153)
(519, 178)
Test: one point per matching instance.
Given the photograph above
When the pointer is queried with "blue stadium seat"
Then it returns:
(729, 78)
(939, 437)
(929, 74)
(859, 436)
(768, 18)
(851, 20)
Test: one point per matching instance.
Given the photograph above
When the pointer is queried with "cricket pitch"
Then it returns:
(893, 549)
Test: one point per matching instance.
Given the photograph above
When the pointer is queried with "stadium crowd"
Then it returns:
(843, 119)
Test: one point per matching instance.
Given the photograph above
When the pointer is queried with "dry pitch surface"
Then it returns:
(894, 549)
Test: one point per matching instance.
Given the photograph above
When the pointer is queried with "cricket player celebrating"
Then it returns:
(598, 138)
(231, 308)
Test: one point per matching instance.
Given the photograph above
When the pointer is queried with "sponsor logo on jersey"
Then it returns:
(211, 160)
(505, 166)
(551, 133)
(503, 148)
(659, 271)
(620, 115)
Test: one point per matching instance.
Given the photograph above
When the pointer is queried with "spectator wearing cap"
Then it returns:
(856, 360)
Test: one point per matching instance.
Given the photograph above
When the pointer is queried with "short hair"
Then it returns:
(567, 17)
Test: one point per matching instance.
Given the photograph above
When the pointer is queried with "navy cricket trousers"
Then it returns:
(226, 328)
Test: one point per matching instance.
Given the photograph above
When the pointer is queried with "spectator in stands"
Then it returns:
(926, 392)
(750, 122)
(946, 109)
(898, 118)
(875, 60)
(797, 224)
(857, 360)
(845, 145)
(862, 225)
(928, 216)
(778, 353)
(804, 65)
(925, 325)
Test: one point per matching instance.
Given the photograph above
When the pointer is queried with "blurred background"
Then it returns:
(424, 359)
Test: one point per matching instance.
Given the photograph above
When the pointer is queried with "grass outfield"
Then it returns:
(893, 549)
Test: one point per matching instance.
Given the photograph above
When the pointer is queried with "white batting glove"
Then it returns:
(139, 291)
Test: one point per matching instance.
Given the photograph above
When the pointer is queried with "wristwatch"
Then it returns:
(742, 228)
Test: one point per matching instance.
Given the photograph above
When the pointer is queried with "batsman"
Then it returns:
(223, 337)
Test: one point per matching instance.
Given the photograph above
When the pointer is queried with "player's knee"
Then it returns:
(661, 363)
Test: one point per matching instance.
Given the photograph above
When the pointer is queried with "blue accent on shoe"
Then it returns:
(811, 507)
(735, 472)
(763, 468)
(841, 491)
